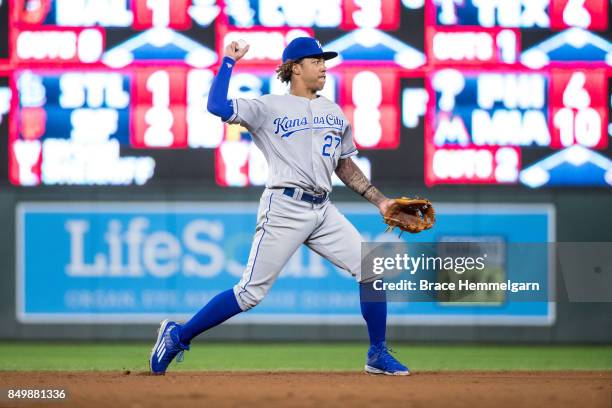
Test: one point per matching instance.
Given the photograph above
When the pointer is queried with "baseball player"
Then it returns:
(304, 137)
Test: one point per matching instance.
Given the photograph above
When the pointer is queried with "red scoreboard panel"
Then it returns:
(578, 111)
(371, 107)
(152, 13)
(590, 14)
(381, 14)
(437, 91)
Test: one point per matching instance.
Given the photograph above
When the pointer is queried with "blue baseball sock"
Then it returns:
(374, 311)
(219, 309)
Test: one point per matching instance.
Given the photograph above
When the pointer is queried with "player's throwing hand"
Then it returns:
(235, 51)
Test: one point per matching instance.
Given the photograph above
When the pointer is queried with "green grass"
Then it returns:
(311, 357)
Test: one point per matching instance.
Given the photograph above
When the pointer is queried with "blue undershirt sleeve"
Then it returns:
(218, 104)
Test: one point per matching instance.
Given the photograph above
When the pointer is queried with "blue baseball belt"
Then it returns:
(310, 198)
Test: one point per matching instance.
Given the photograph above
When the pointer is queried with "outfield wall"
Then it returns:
(572, 222)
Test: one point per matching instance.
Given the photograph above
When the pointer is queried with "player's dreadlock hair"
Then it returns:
(283, 72)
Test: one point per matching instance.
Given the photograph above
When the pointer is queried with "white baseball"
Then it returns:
(241, 44)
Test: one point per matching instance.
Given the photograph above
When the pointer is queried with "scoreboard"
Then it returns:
(513, 78)
(113, 92)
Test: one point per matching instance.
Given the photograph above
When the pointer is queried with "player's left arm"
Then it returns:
(218, 104)
(353, 177)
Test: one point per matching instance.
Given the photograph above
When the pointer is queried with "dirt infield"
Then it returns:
(295, 389)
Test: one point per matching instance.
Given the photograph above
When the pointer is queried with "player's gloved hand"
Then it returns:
(408, 214)
(233, 51)
(384, 205)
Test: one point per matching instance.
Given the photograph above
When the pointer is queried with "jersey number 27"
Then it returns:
(329, 141)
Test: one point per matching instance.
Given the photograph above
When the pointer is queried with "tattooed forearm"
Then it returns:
(354, 178)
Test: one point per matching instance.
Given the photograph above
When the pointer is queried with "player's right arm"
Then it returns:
(218, 104)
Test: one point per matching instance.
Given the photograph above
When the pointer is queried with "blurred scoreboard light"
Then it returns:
(69, 130)
(239, 164)
(203, 128)
(62, 45)
(6, 100)
(70, 13)
(473, 165)
(478, 46)
(490, 91)
(282, 13)
(491, 13)
(414, 106)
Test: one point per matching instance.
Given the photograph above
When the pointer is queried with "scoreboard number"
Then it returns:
(367, 98)
(579, 112)
(159, 111)
(159, 116)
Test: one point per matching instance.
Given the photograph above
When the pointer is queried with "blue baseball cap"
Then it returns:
(303, 47)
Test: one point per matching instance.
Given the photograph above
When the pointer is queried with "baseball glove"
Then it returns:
(410, 214)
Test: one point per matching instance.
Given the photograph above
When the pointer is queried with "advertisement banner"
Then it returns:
(139, 262)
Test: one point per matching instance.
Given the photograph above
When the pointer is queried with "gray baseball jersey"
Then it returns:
(302, 140)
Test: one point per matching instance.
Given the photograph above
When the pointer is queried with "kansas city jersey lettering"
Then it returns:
(287, 125)
(302, 139)
(290, 126)
(330, 120)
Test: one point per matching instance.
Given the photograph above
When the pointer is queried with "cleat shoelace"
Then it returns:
(388, 360)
